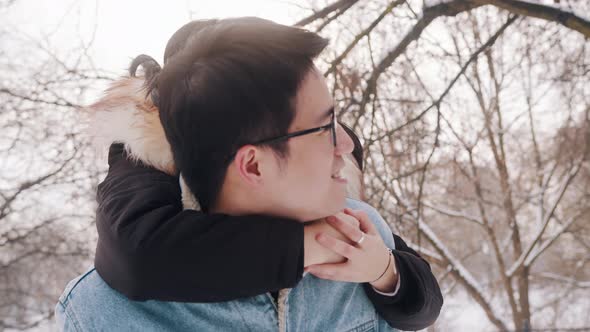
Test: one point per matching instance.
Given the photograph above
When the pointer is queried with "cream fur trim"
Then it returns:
(125, 115)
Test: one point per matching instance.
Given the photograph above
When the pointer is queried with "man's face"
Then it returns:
(308, 185)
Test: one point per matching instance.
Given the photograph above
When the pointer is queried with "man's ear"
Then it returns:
(248, 164)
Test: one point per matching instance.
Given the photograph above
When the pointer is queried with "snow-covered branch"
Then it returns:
(453, 213)
(548, 242)
(548, 216)
(462, 274)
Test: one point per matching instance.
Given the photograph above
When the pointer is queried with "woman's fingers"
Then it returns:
(348, 218)
(340, 247)
(336, 272)
(348, 229)
(366, 225)
(363, 262)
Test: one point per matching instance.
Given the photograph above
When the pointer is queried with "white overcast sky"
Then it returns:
(124, 29)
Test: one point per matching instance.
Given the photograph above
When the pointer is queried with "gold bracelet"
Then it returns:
(389, 254)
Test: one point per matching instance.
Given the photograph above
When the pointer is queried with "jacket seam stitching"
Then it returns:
(67, 297)
(71, 316)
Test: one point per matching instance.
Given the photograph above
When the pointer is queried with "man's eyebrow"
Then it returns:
(325, 115)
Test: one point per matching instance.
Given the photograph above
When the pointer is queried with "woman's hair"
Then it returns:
(177, 42)
(357, 151)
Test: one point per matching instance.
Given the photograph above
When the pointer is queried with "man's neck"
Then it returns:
(236, 203)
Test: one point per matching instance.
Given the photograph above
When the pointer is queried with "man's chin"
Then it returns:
(333, 207)
(316, 210)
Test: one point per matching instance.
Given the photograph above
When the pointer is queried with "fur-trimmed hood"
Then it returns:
(125, 114)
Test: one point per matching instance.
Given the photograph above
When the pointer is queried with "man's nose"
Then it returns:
(344, 144)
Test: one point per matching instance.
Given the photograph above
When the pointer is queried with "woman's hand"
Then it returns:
(314, 252)
(367, 257)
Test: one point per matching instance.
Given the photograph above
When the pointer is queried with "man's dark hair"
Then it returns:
(180, 38)
(233, 83)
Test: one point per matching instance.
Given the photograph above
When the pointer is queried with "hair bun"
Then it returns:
(151, 69)
(150, 66)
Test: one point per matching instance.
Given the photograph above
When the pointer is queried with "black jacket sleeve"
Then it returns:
(149, 248)
(418, 301)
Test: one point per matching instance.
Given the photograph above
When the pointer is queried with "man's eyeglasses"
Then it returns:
(331, 126)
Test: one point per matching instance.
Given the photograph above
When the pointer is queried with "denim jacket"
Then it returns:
(89, 304)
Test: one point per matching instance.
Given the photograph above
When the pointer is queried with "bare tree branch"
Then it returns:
(361, 35)
(454, 214)
(338, 5)
(429, 14)
(545, 12)
(463, 276)
(474, 56)
(565, 185)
